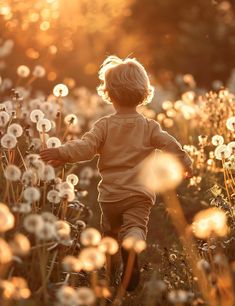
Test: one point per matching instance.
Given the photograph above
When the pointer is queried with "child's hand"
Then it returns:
(52, 156)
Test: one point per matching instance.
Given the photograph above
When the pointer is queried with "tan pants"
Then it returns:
(128, 217)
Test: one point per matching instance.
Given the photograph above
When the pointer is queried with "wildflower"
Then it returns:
(72, 179)
(67, 194)
(31, 159)
(43, 125)
(8, 141)
(48, 217)
(33, 223)
(209, 222)
(36, 143)
(217, 140)
(53, 196)
(90, 237)
(5, 252)
(108, 245)
(62, 228)
(222, 152)
(39, 71)
(162, 173)
(29, 177)
(80, 224)
(7, 219)
(53, 142)
(66, 295)
(71, 264)
(71, 119)
(31, 194)
(85, 296)
(132, 243)
(36, 115)
(46, 232)
(60, 90)
(167, 105)
(23, 71)
(91, 259)
(47, 174)
(15, 130)
(86, 173)
(38, 165)
(4, 118)
(12, 173)
(230, 124)
(178, 296)
(23, 208)
(20, 245)
(231, 146)
(21, 290)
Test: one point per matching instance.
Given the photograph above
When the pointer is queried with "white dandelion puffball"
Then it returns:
(67, 194)
(36, 115)
(66, 295)
(230, 124)
(108, 245)
(231, 146)
(53, 196)
(90, 237)
(222, 152)
(60, 90)
(208, 222)
(91, 258)
(85, 296)
(47, 174)
(8, 141)
(31, 194)
(4, 118)
(39, 71)
(33, 223)
(53, 142)
(46, 232)
(15, 130)
(217, 140)
(29, 177)
(72, 179)
(7, 219)
(23, 71)
(161, 173)
(71, 119)
(44, 125)
(12, 173)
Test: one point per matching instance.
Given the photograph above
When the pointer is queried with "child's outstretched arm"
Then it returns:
(165, 142)
(77, 150)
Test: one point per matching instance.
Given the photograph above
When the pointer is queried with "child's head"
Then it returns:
(124, 82)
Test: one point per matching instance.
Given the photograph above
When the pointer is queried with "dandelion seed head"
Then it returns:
(8, 141)
(33, 223)
(71, 119)
(7, 219)
(31, 194)
(12, 173)
(53, 142)
(72, 179)
(230, 124)
(36, 115)
(209, 222)
(217, 140)
(66, 295)
(222, 152)
(90, 237)
(53, 196)
(47, 174)
(67, 194)
(108, 245)
(91, 258)
(60, 90)
(4, 118)
(85, 296)
(46, 232)
(23, 71)
(20, 245)
(5, 252)
(39, 71)
(71, 264)
(43, 125)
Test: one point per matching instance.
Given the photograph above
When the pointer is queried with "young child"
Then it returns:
(122, 140)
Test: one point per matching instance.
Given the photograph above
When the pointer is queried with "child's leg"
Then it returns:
(135, 218)
(111, 221)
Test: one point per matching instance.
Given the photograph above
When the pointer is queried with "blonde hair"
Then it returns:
(124, 81)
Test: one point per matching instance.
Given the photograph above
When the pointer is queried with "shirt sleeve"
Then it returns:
(163, 141)
(86, 147)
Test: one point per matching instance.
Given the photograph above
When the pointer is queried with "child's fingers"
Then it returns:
(49, 154)
(56, 163)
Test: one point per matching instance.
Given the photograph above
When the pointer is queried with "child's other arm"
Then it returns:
(77, 150)
(165, 142)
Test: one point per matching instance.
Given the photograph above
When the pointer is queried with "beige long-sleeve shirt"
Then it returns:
(122, 142)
